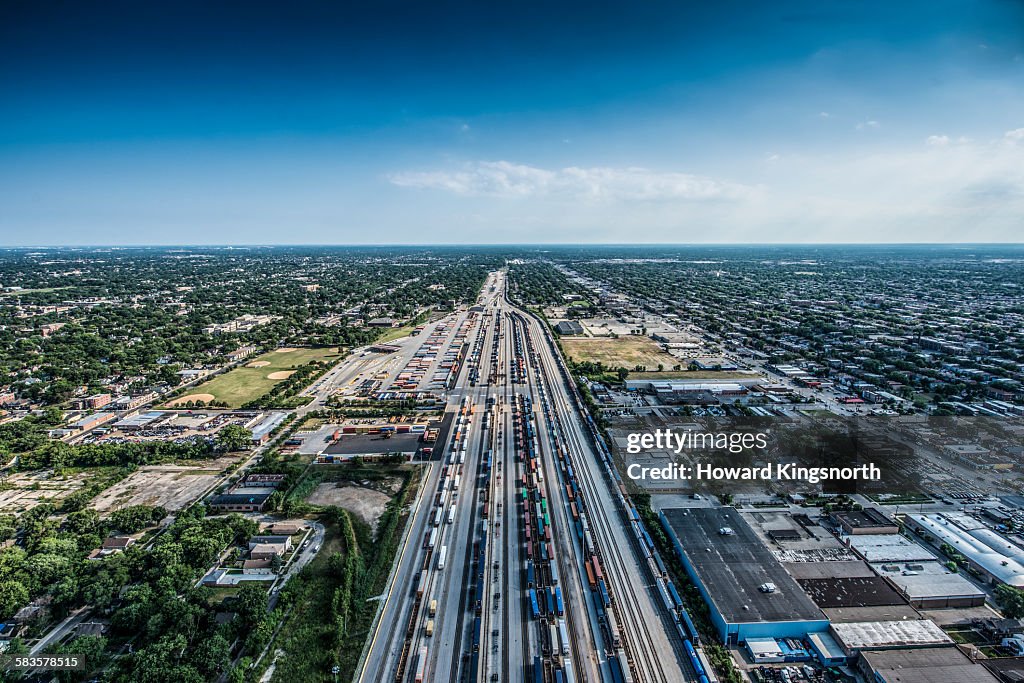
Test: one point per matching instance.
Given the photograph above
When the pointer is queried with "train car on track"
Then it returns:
(421, 665)
(442, 557)
(563, 635)
(534, 605)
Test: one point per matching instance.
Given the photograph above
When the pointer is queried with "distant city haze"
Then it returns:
(511, 123)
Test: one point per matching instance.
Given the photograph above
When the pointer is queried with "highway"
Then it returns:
(495, 580)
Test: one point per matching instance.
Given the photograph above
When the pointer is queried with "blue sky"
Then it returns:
(326, 122)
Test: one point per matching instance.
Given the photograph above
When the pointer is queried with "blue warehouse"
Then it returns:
(749, 592)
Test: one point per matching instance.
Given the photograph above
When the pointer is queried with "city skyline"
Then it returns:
(670, 124)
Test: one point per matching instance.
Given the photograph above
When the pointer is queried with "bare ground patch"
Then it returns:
(23, 491)
(170, 486)
(191, 397)
(281, 374)
(258, 364)
(367, 503)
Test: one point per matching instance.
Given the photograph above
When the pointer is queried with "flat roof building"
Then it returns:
(868, 591)
(140, 421)
(239, 502)
(888, 635)
(866, 521)
(930, 665)
(889, 548)
(749, 593)
(568, 328)
(930, 585)
(92, 421)
(261, 432)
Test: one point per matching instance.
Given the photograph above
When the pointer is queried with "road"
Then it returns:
(516, 502)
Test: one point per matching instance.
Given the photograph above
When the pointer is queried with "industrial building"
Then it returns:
(237, 501)
(568, 328)
(931, 665)
(930, 585)
(888, 548)
(92, 421)
(915, 572)
(866, 521)
(749, 593)
(994, 556)
(866, 591)
(888, 635)
(680, 389)
(262, 430)
(140, 421)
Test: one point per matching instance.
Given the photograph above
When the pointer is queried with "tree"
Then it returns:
(1011, 600)
(133, 518)
(13, 596)
(233, 438)
(251, 603)
(91, 649)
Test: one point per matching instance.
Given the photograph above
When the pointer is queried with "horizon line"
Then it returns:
(272, 245)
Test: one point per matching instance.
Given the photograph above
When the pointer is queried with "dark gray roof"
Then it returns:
(369, 444)
(731, 567)
(569, 327)
(240, 498)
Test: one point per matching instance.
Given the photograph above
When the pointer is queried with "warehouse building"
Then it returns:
(262, 430)
(889, 548)
(930, 585)
(866, 521)
(568, 328)
(994, 556)
(236, 501)
(922, 666)
(749, 593)
(140, 421)
(889, 635)
(92, 421)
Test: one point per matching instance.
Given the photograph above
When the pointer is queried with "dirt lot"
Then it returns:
(24, 491)
(191, 397)
(367, 503)
(626, 352)
(171, 486)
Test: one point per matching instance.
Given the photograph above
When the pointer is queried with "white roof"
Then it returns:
(921, 580)
(990, 551)
(875, 634)
(888, 548)
(763, 646)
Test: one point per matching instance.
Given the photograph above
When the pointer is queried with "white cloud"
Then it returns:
(1014, 136)
(824, 115)
(864, 125)
(507, 179)
(937, 140)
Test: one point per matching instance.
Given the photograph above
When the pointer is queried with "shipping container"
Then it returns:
(421, 665)
(442, 557)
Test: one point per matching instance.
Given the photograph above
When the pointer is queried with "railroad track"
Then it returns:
(568, 570)
(645, 659)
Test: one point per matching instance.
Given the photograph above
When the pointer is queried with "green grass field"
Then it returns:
(395, 333)
(246, 383)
